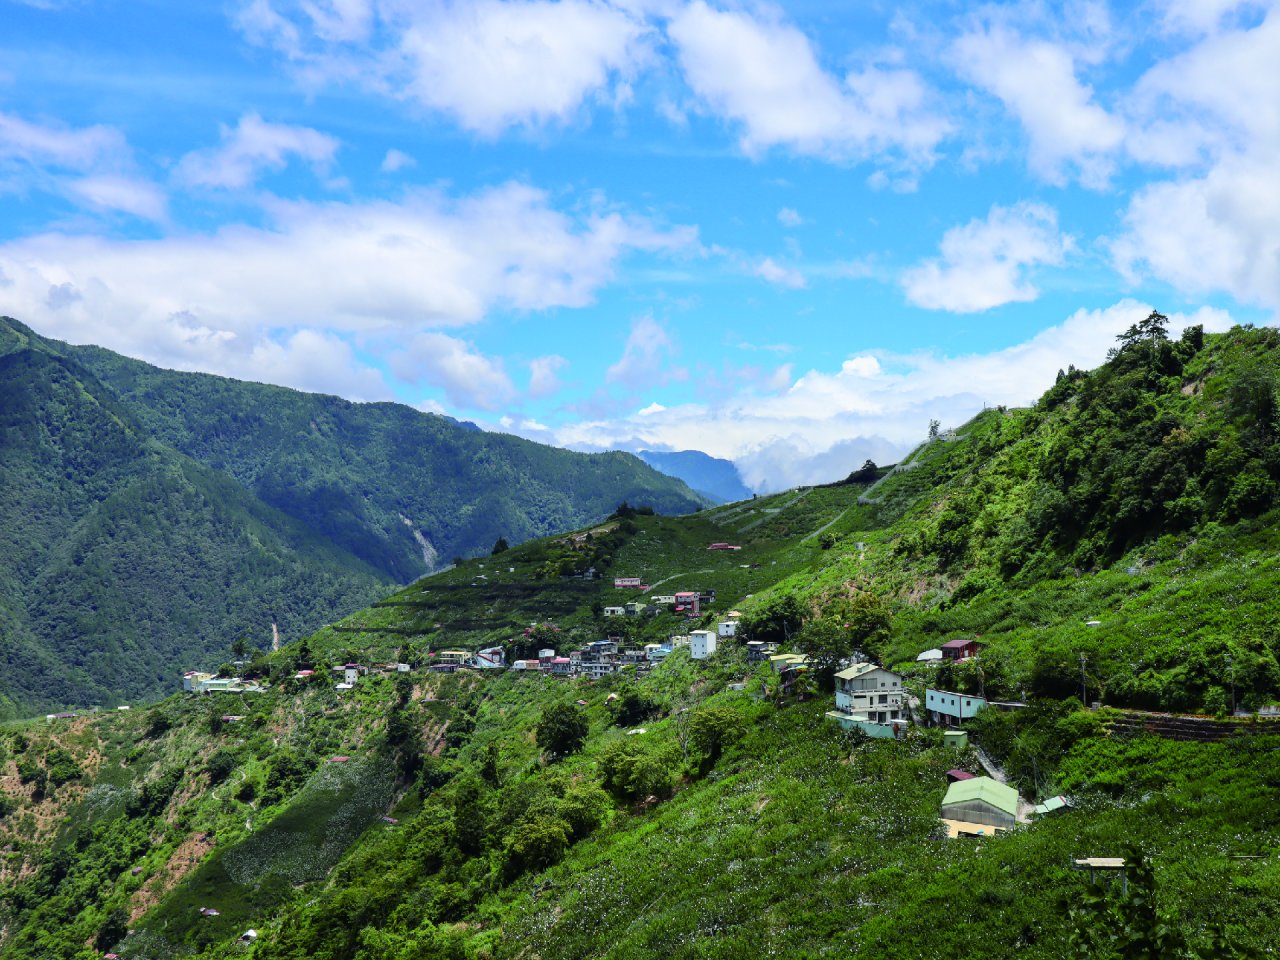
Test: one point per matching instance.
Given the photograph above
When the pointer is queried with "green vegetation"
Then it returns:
(701, 810)
(152, 521)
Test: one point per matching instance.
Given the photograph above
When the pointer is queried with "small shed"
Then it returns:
(957, 739)
(955, 776)
(929, 656)
(979, 804)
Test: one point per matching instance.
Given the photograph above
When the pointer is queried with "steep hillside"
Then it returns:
(405, 491)
(149, 519)
(706, 809)
(120, 559)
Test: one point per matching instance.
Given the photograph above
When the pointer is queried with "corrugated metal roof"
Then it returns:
(857, 670)
(999, 795)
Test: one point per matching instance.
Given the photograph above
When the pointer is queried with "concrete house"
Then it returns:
(727, 628)
(869, 689)
(979, 806)
(783, 661)
(615, 611)
(193, 681)
(759, 650)
(702, 644)
(456, 657)
(951, 709)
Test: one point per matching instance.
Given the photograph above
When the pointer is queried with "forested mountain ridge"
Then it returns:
(706, 809)
(151, 518)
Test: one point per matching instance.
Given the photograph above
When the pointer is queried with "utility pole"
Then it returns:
(1084, 685)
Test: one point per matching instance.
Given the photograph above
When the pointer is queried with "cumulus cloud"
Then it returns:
(255, 147)
(493, 65)
(204, 301)
(469, 378)
(983, 263)
(779, 274)
(764, 75)
(1036, 81)
(490, 64)
(826, 423)
(1220, 232)
(1214, 111)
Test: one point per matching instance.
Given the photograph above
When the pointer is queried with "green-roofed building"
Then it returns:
(981, 801)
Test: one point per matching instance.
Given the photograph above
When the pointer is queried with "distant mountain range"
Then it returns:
(712, 477)
(148, 518)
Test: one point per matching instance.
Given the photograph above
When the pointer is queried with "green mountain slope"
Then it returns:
(148, 519)
(403, 490)
(122, 559)
(707, 811)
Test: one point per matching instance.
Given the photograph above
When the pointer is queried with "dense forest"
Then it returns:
(150, 519)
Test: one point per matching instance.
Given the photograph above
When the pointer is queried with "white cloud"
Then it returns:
(312, 360)
(141, 198)
(203, 301)
(983, 263)
(76, 149)
(489, 64)
(253, 148)
(91, 166)
(469, 378)
(776, 273)
(1215, 111)
(878, 406)
(1200, 16)
(494, 65)
(1036, 80)
(397, 160)
(764, 75)
(544, 375)
(789, 218)
(1217, 232)
(647, 357)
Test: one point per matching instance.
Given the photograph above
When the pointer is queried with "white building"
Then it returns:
(702, 644)
(615, 611)
(728, 628)
(869, 690)
(950, 708)
(596, 670)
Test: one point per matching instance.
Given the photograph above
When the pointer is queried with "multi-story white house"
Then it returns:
(869, 689)
(702, 644)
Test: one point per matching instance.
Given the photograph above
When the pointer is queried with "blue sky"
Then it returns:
(790, 235)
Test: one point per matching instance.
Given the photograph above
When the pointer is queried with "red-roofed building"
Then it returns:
(960, 649)
(340, 758)
(955, 776)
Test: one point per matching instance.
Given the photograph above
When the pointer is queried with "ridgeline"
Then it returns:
(150, 518)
